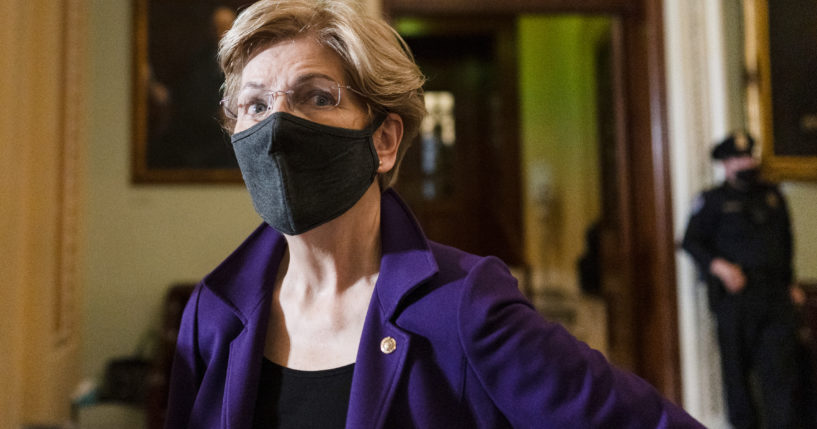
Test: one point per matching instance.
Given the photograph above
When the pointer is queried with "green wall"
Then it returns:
(557, 87)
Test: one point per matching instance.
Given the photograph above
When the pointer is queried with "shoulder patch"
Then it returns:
(697, 204)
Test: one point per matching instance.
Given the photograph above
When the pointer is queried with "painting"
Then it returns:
(177, 137)
(781, 93)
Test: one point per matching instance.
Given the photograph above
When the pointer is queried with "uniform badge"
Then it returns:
(697, 204)
(772, 200)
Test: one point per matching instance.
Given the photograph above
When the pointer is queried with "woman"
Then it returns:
(338, 312)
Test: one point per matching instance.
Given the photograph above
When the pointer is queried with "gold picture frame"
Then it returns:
(781, 106)
(176, 89)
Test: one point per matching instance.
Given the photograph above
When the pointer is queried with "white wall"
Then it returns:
(698, 96)
(139, 239)
(802, 199)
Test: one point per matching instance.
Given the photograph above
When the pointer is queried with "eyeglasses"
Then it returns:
(309, 98)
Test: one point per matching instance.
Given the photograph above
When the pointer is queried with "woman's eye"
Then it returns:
(256, 108)
(315, 98)
(322, 99)
(252, 103)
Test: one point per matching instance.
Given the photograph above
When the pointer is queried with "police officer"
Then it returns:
(740, 238)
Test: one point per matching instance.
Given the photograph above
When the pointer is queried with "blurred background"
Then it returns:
(579, 131)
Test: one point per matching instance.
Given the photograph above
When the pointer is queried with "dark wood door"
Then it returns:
(462, 177)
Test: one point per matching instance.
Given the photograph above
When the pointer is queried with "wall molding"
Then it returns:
(702, 109)
(41, 159)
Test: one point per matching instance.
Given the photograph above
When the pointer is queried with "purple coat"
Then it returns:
(469, 351)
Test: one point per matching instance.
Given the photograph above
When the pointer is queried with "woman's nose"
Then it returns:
(280, 102)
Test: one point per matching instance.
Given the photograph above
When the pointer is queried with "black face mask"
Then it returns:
(748, 177)
(302, 174)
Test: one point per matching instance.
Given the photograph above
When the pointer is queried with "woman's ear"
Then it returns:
(386, 141)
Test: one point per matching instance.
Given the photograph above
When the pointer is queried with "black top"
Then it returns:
(289, 398)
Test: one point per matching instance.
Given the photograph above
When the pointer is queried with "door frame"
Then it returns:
(647, 319)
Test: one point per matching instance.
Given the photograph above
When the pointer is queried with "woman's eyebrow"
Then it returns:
(305, 77)
(253, 85)
(298, 80)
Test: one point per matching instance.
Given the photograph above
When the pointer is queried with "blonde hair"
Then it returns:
(376, 60)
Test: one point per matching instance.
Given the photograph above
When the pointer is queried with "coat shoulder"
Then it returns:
(461, 275)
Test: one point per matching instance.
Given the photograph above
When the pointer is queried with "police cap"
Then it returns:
(737, 144)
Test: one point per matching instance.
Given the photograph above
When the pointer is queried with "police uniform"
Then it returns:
(749, 227)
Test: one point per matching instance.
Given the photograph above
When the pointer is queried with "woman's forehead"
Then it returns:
(284, 62)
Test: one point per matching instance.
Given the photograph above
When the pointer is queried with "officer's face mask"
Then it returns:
(302, 174)
(748, 177)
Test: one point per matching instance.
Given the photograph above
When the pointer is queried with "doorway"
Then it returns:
(633, 204)
(461, 176)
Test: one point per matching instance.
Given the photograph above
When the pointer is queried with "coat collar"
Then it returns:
(407, 260)
(406, 263)
(242, 281)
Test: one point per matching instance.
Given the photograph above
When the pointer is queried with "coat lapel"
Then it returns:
(377, 370)
(406, 263)
(244, 370)
(243, 283)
